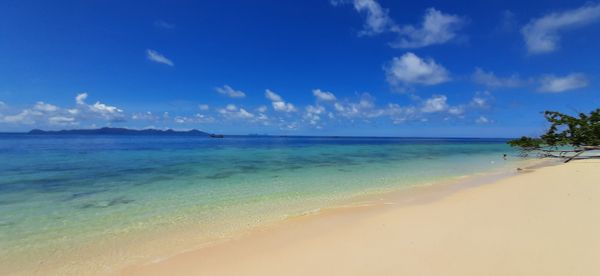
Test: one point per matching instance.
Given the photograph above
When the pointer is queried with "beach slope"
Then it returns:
(540, 222)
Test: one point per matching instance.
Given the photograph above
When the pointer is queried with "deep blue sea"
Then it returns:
(101, 200)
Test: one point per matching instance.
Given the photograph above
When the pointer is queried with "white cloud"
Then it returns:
(231, 107)
(85, 111)
(547, 83)
(245, 114)
(44, 107)
(203, 107)
(323, 95)
(201, 118)
(556, 84)
(482, 120)
(283, 106)
(230, 92)
(366, 101)
(262, 109)
(146, 116)
(490, 79)
(479, 102)
(364, 108)
(24, 117)
(377, 19)
(61, 120)
(439, 104)
(400, 114)
(272, 96)
(436, 103)
(313, 114)
(195, 119)
(436, 28)
(456, 110)
(80, 98)
(40, 113)
(105, 110)
(158, 58)
(231, 111)
(542, 35)
(315, 109)
(263, 118)
(278, 103)
(180, 119)
(410, 69)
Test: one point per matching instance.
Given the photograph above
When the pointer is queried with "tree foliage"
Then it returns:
(582, 130)
(526, 143)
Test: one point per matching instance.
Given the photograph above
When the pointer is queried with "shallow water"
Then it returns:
(65, 196)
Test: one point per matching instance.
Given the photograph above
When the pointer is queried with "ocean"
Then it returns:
(94, 202)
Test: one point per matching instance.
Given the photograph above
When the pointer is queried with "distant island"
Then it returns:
(125, 131)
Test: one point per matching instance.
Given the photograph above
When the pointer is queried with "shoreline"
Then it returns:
(151, 246)
(419, 193)
(98, 261)
(359, 207)
(426, 191)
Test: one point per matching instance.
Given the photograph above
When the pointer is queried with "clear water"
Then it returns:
(99, 200)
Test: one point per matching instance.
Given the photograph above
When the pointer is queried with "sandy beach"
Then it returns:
(543, 221)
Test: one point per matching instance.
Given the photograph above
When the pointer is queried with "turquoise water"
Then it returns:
(68, 200)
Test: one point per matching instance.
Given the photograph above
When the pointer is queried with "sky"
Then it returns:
(330, 67)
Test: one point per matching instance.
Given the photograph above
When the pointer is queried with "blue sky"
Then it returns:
(356, 67)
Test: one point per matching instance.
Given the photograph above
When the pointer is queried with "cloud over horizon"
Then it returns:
(42, 113)
(326, 110)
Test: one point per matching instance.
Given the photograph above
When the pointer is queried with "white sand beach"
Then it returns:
(543, 221)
